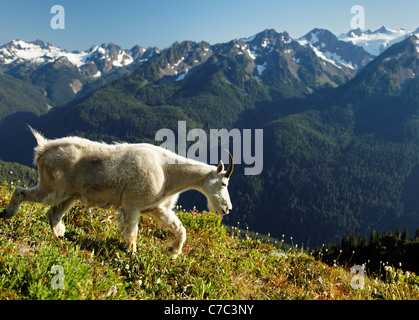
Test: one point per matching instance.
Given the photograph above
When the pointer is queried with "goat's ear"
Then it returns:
(220, 167)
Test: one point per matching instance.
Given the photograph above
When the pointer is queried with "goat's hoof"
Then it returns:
(172, 256)
(172, 253)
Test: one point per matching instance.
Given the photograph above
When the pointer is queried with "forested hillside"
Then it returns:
(20, 99)
(15, 174)
(351, 164)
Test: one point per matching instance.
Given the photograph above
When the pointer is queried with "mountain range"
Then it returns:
(93, 63)
(65, 75)
(340, 123)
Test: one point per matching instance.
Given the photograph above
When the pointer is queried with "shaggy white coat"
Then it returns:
(137, 178)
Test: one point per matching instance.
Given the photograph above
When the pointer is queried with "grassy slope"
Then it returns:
(214, 264)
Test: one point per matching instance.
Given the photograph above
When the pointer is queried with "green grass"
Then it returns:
(215, 264)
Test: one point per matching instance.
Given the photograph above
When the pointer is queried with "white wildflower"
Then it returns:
(112, 291)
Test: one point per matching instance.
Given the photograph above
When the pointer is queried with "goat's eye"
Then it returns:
(223, 184)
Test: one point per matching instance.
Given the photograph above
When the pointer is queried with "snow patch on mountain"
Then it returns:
(248, 39)
(328, 56)
(182, 76)
(252, 54)
(260, 68)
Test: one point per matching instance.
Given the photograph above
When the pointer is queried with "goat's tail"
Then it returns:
(39, 137)
(40, 148)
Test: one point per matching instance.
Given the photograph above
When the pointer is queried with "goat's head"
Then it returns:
(216, 188)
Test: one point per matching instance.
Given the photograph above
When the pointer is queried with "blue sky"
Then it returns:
(162, 22)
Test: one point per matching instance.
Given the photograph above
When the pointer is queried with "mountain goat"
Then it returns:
(136, 178)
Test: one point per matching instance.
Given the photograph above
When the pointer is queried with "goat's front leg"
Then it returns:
(168, 219)
(35, 194)
(21, 194)
(14, 204)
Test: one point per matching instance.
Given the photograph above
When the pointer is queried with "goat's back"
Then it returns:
(98, 171)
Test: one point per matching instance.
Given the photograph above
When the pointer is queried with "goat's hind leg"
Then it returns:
(55, 215)
(20, 194)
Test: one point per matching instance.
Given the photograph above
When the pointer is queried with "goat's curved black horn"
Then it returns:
(230, 166)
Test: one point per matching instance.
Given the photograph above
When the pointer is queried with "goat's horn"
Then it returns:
(230, 166)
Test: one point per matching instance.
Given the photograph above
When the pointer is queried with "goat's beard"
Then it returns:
(211, 207)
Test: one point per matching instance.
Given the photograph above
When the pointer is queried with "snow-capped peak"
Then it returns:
(375, 42)
(36, 51)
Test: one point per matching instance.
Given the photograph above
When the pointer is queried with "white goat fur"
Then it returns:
(133, 177)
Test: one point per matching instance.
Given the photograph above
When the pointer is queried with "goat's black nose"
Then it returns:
(225, 212)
